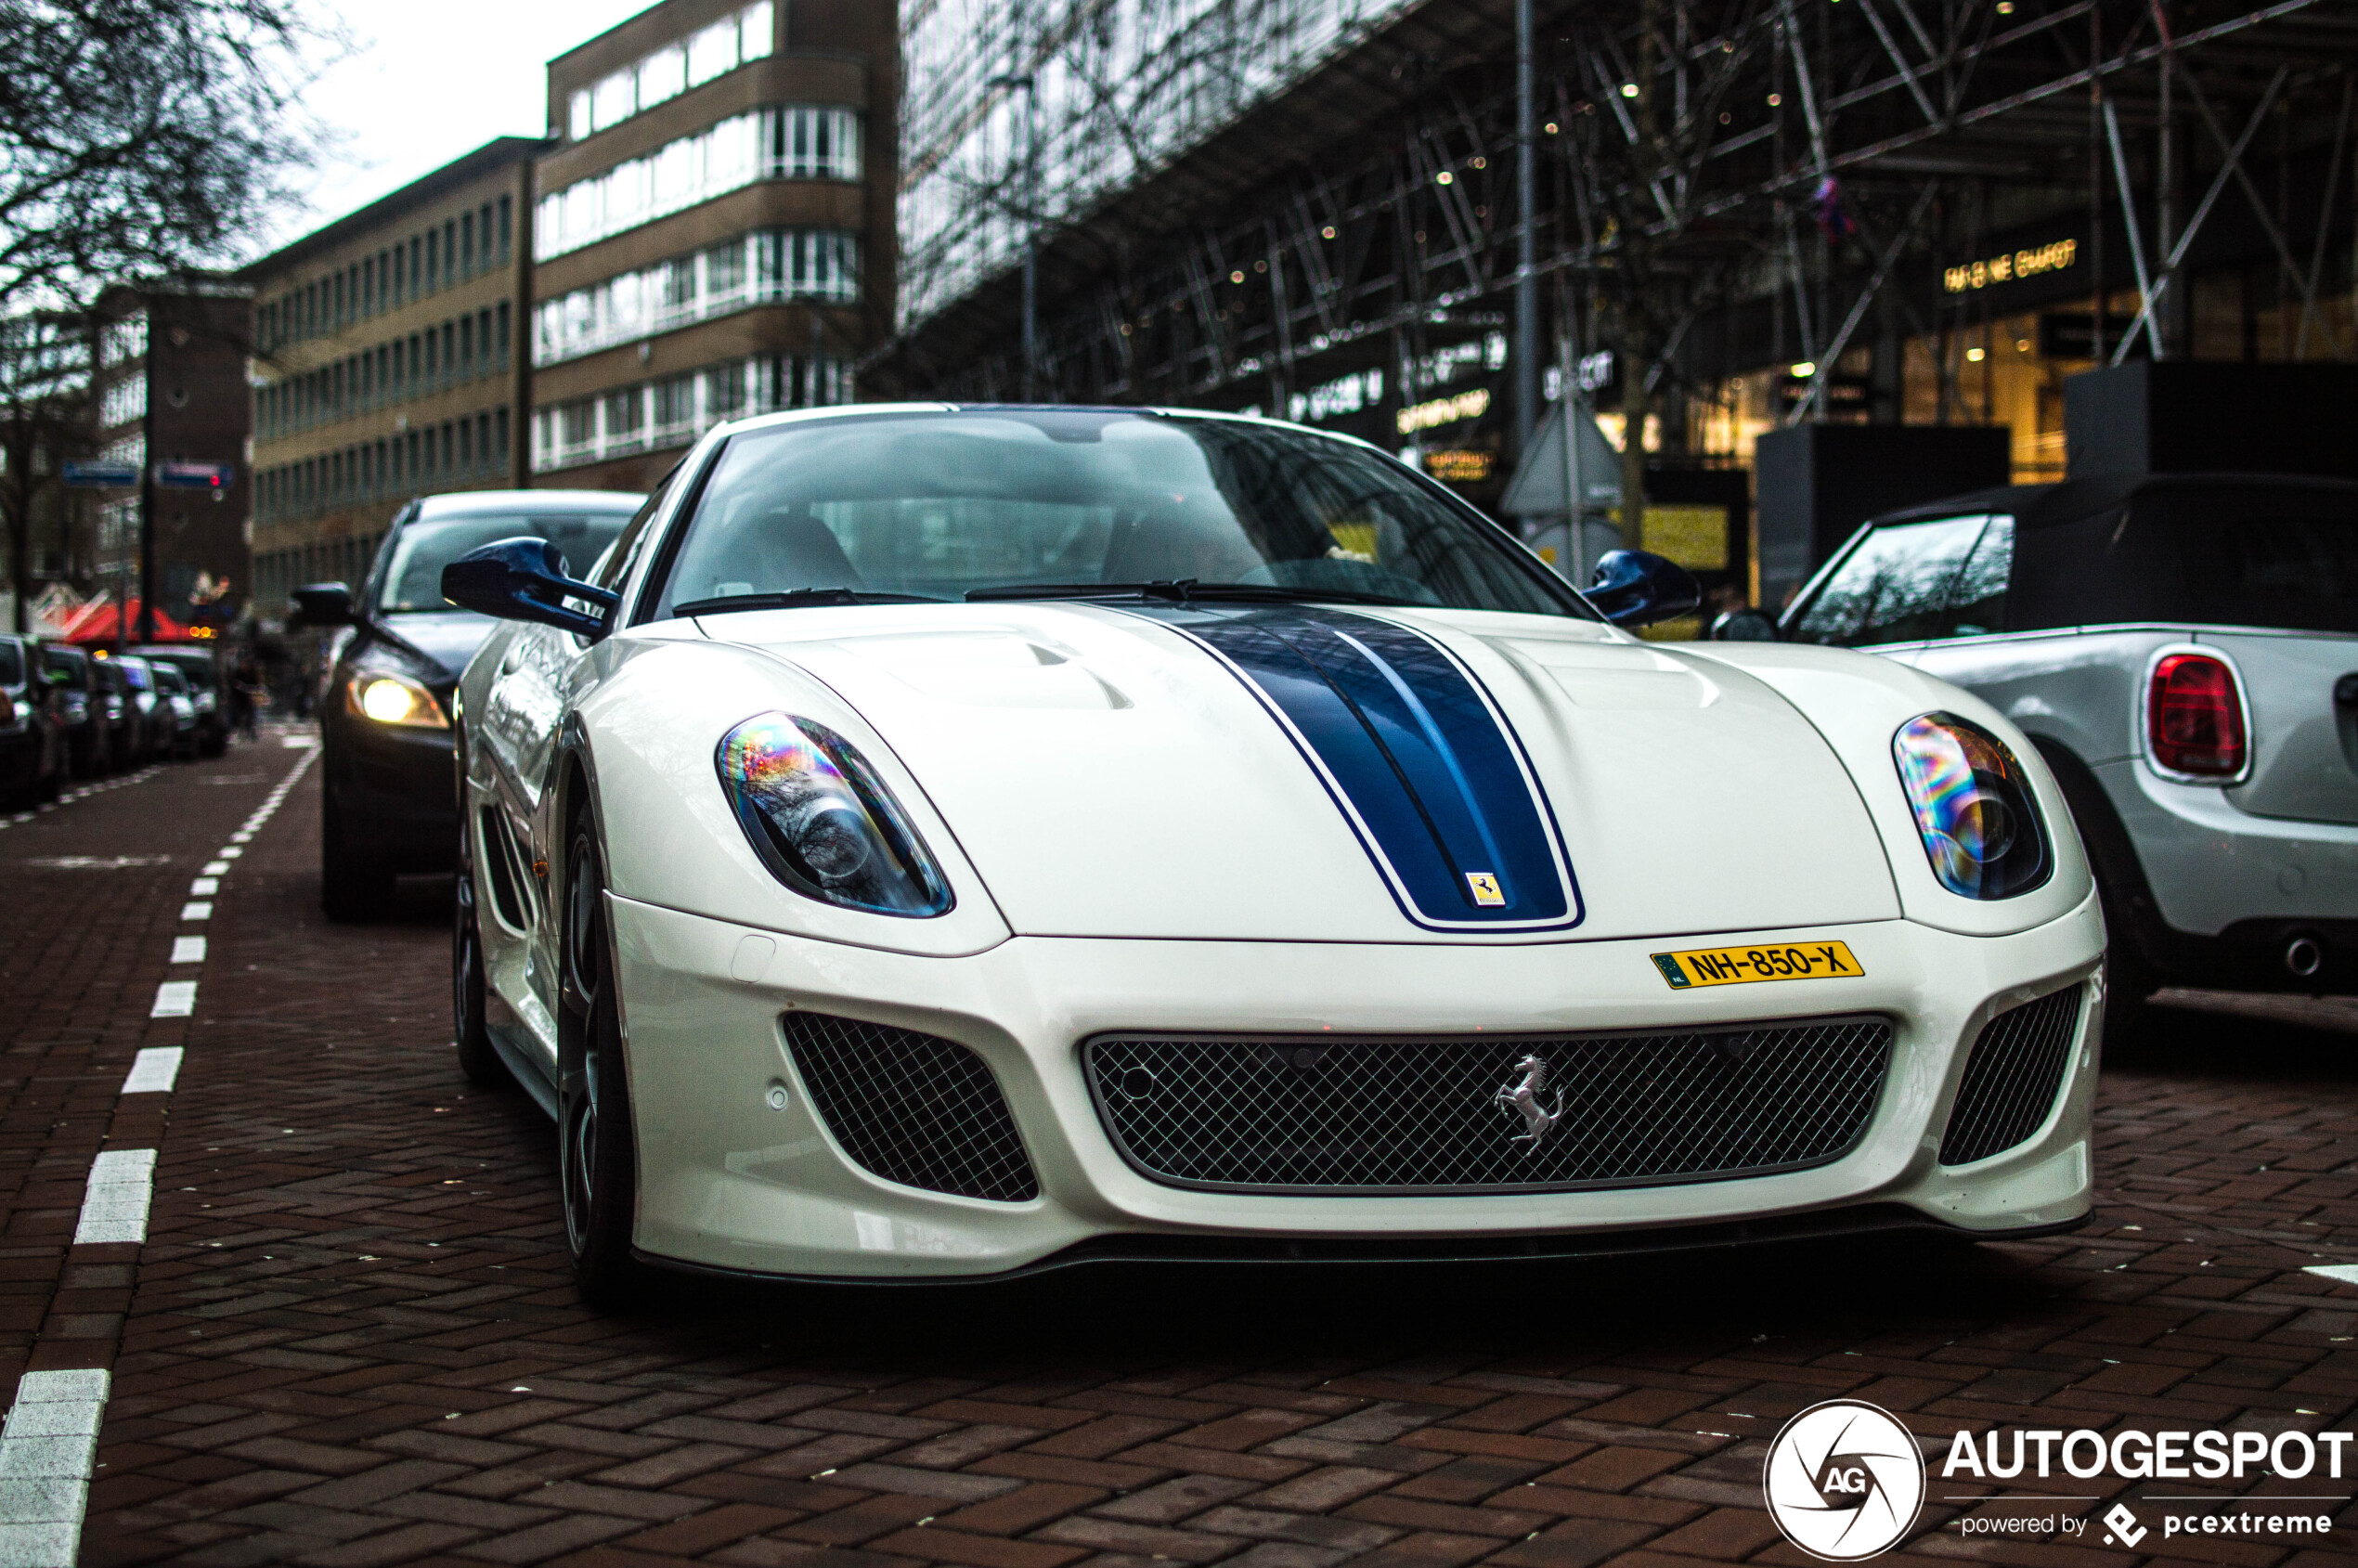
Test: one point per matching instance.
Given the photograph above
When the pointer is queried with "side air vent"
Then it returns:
(499, 859)
(2011, 1077)
(910, 1107)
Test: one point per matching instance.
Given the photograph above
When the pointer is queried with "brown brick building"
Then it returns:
(714, 234)
(171, 387)
(388, 364)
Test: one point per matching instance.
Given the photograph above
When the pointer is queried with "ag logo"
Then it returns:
(1843, 1481)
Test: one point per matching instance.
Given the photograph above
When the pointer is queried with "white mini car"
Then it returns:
(942, 842)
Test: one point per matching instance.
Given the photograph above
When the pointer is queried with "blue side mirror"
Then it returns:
(1632, 588)
(523, 579)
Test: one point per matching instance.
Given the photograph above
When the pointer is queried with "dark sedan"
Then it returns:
(389, 807)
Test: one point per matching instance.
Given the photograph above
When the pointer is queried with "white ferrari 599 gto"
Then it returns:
(944, 841)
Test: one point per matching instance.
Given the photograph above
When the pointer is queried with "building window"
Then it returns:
(765, 267)
(789, 141)
(748, 33)
(673, 412)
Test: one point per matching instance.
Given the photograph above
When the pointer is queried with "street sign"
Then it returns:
(195, 475)
(101, 476)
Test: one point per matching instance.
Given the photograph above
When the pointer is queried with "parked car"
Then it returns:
(1015, 836)
(202, 673)
(118, 712)
(79, 699)
(32, 743)
(153, 716)
(2184, 651)
(176, 707)
(384, 723)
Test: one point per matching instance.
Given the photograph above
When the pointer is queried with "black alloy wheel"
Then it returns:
(597, 1161)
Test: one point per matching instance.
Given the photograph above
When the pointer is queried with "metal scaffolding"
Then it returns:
(1722, 183)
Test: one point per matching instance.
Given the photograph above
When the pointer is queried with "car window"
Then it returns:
(934, 506)
(168, 681)
(135, 674)
(1895, 585)
(1976, 598)
(11, 663)
(413, 574)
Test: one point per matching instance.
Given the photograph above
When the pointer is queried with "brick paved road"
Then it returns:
(350, 1338)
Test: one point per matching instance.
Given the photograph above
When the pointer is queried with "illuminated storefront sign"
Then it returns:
(2010, 266)
(1445, 411)
(1459, 466)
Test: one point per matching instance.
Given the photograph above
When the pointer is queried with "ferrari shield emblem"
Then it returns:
(1485, 888)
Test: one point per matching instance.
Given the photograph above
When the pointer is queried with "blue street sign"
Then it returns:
(195, 475)
(101, 476)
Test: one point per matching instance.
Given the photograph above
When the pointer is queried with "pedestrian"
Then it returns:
(247, 694)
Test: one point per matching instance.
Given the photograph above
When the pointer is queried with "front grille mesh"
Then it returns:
(2012, 1077)
(1396, 1116)
(910, 1107)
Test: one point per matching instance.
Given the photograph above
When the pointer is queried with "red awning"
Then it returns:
(103, 623)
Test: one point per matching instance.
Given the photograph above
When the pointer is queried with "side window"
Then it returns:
(614, 565)
(1977, 598)
(1895, 585)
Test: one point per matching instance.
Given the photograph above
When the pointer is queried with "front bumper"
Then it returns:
(726, 1182)
(395, 790)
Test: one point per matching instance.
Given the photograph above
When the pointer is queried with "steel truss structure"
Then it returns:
(1723, 183)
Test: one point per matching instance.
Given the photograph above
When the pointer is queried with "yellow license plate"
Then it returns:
(1741, 966)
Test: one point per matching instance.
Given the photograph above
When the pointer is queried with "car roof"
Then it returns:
(477, 503)
(2041, 506)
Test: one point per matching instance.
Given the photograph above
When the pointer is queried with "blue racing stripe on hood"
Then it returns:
(1430, 775)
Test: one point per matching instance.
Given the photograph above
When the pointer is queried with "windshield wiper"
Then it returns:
(793, 599)
(1184, 591)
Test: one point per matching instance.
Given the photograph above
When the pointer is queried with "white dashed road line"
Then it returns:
(46, 1454)
(114, 1206)
(153, 1071)
(49, 1447)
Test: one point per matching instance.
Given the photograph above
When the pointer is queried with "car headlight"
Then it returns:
(821, 821)
(390, 698)
(1973, 808)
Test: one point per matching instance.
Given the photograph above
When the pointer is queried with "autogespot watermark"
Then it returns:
(1847, 1480)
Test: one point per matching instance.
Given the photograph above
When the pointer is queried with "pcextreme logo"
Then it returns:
(1843, 1481)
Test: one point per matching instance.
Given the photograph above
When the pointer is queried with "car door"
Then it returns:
(541, 676)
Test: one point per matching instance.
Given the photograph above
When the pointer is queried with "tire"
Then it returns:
(597, 1157)
(477, 1058)
(354, 886)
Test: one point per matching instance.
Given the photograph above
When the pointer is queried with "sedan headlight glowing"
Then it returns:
(1973, 808)
(392, 698)
(823, 822)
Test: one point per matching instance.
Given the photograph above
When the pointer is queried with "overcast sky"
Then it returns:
(428, 79)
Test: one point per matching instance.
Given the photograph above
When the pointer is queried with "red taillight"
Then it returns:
(2194, 717)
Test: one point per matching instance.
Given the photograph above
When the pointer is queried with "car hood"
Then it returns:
(448, 639)
(1308, 774)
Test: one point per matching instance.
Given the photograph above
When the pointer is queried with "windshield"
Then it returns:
(135, 674)
(413, 577)
(168, 681)
(1001, 504)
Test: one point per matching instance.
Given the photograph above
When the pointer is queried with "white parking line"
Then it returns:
(114, 1206)
(205, 887)
(188, 950)
(216, 868)
(2341, 1274)
(197, 909)
(232, 853)
(153, 1071)
(175, 999)
(48, 1451)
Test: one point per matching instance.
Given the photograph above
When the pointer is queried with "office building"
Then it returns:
(713, 231)
(387, 365)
